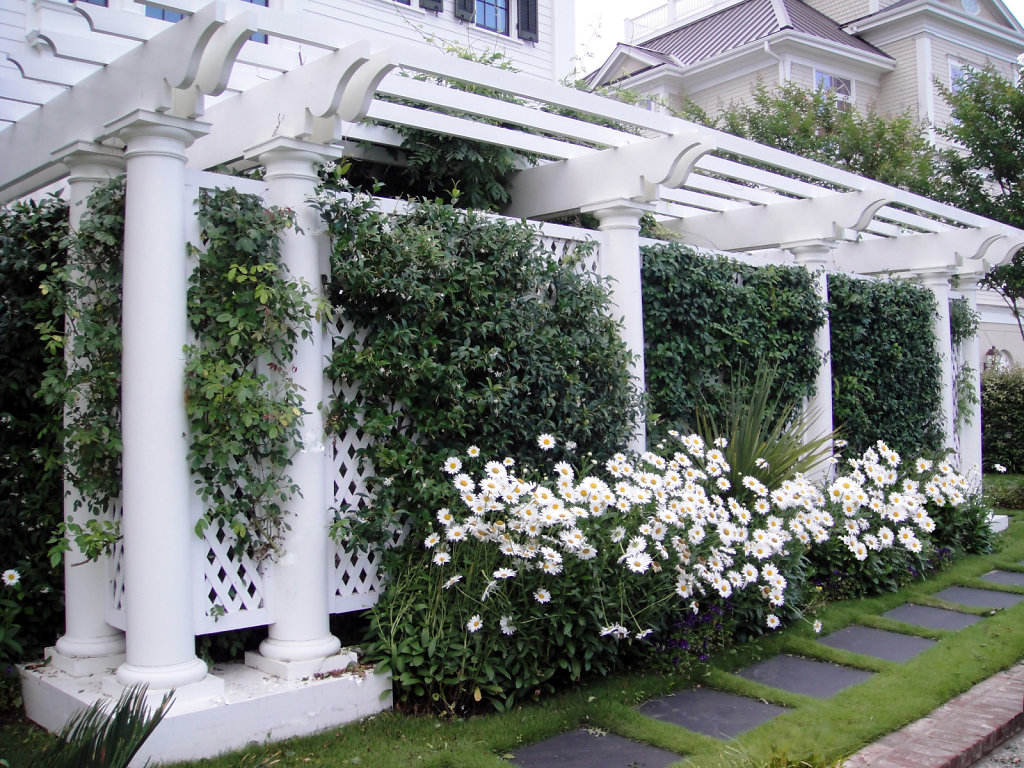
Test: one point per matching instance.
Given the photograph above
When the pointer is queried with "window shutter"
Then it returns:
(465, 10)
(528, 27)
(432, 5)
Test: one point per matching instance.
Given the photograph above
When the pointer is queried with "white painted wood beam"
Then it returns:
(634, 172)
(938, 250)
(771, 226)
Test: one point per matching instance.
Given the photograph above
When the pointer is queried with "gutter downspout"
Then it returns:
(785, 70)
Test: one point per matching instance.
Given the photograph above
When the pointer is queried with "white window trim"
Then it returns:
(852, 98)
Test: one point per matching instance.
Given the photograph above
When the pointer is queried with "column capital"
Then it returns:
(142, 122)
(816, 252)
(621, 213)
(936, 279)
(282, 146)
(90, 161)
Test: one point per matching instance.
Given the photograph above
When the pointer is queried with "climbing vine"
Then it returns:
(244, 409)
(83, 337)
(465, 332)
(710, 322)
(963, 325)
(885, 370)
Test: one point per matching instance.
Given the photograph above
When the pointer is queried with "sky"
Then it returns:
(599, 25)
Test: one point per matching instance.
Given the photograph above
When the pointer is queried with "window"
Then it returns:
(164, 15)
(958, 71)
(93, 2)
(842, 87)
(492, 15)
(259, 37)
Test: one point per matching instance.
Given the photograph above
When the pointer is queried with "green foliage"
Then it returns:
(96, 738)
(33, 243)
(984, 171)
(84, 374)
(885, 371)
(468, 332)
(1002, 402)
(707, 319)
(243, 408)
(816, 125)
(963, 325)
(1005, 491)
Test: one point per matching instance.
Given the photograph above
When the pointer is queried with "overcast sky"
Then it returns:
(599, 25)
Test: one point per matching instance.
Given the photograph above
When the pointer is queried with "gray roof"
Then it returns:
(747, 22)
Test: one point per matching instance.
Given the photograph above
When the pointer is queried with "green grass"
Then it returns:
(819, 732)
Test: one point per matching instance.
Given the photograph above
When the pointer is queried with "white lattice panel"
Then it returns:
(585, 254)
(231, 589)
(116, 614)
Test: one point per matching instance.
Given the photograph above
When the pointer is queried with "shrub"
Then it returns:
(1002, 407)
(33, 243)
(464, 329)
(709, 319)
(885, 371)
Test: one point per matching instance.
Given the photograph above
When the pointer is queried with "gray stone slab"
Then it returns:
(1012, 578)
(933, 618)
(806, 676)
(979, 598)
(891, 646)
(713, 713)
(587, 749)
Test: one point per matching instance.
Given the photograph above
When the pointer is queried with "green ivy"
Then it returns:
(33, 244)
(84, 375)
(886, 374)
(711, 321)
(963, 325)
(243, 408)
(469, 333)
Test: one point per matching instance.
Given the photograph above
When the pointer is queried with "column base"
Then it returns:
(163, 677)
(83, 665)
(188, 697)
(300, 670)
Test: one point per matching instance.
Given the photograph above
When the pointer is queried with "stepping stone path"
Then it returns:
(725, 715)
(592, 749)
(931, 618)
(891, 646)
(806, 676)
(978, 598)
(713, 713)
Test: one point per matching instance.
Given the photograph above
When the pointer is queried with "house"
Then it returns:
(535, 35)
(890, 56)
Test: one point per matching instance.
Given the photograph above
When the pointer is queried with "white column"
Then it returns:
(299, 641)
(157, 486)
(937, 281)
(970, 354)
(89, 645)
(619, 220)
(815, 257)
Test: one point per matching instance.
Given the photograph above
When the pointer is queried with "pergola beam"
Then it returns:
(990, 245)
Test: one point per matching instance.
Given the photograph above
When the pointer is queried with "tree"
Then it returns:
(817, 125)
(984, 169)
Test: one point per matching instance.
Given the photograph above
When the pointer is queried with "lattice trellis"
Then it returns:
(231, 589)
(116, 614)
(561, 248)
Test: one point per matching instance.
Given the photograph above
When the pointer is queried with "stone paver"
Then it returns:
(891, 646)
(957, 734)
(714, 713)
(584, 748)
(806, 676)
(932, 618)
(979, 598)
(1013, 578)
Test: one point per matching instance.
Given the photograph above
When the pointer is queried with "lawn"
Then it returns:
(819, 731)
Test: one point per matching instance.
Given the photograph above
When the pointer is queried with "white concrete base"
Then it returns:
(297, 670)
(998, 522)
(253, 707)
(81, 666)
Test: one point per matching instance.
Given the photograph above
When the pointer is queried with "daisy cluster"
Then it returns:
(675, 517)
(879, 504)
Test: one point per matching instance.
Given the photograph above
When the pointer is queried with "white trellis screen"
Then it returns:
(232, 591)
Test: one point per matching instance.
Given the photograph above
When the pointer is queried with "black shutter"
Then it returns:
(528, 27)
(465, 10)
(432, 5)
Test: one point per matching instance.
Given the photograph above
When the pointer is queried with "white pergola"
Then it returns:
(102, 94)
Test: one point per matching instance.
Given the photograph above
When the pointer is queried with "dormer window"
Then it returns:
(842, 87)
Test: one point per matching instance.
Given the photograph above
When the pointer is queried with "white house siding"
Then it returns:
(866, 95)
(842, 11)
(898, 89)
(736, 90)
(385, 21)
(802, 75)
(944, 51)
